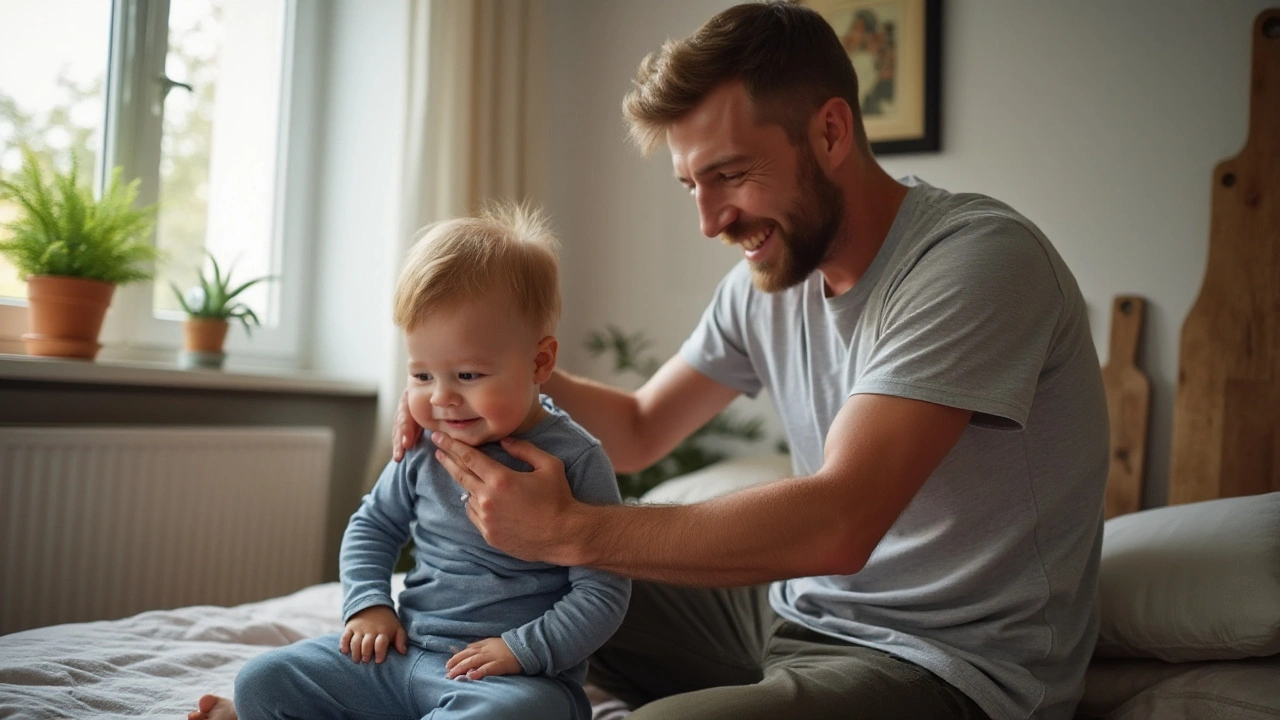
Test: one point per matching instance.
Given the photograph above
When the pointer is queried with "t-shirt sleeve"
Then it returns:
(969, 324)
(718, 346)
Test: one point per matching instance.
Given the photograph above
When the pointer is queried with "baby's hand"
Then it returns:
(490, 656)
(370, 632)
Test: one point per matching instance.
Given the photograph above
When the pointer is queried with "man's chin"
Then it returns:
(771, 281)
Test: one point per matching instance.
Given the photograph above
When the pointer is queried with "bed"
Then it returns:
(1190, 600)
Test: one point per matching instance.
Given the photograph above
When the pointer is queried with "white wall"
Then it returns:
(1101, 121)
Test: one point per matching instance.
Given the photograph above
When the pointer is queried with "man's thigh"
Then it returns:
(679, 639)
(807, 675)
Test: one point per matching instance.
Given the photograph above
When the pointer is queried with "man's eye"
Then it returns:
(731, 177)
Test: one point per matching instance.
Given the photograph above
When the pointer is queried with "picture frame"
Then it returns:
(895, 47)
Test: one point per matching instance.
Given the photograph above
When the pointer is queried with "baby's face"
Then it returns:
(474, 372)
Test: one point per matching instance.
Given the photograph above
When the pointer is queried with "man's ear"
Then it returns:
(545, 361)
(832, 133)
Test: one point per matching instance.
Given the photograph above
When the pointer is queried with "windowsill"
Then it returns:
(161, 375)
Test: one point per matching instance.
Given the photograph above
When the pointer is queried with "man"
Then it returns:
(929, 354)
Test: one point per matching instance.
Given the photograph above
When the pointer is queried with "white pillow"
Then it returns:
(719, 479)
(1193, 582)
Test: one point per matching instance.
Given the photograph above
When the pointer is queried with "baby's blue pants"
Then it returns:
(311, 680)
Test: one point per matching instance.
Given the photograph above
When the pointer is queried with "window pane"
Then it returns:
(220, 146)
(53, 65)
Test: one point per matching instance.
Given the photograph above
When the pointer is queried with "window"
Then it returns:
(219, 146)
(203, 101)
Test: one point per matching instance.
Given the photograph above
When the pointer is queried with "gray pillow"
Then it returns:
(1192, 582)
(1238, 690)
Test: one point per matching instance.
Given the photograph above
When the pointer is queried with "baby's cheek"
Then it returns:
(420, 411)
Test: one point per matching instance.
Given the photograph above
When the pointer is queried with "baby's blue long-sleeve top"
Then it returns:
(462, 590)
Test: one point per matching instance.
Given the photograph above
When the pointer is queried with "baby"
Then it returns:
(478, 633)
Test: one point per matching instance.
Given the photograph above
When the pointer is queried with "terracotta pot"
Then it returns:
(202, 346)
(66, 315)
(204, 335)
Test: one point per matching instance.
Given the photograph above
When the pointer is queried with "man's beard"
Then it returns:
(814, 219)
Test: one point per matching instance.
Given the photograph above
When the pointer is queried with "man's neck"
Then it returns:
(872, 200)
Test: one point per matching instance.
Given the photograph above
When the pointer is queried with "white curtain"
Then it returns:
(473, 125)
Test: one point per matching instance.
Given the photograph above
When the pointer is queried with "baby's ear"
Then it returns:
(545, 361)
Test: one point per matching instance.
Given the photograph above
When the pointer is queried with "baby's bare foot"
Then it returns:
(213, 707)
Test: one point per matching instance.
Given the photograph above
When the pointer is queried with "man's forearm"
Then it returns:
(786, 529)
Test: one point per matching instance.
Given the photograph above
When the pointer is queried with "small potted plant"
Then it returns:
(211, 306)
(72, 250)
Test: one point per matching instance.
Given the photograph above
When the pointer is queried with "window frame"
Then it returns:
(132, 130)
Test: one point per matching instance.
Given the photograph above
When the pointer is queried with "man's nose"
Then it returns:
(714, 214)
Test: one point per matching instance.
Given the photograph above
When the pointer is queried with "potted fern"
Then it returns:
(73, 249)
(211, 305)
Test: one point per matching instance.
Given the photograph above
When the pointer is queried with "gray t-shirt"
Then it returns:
(989, 577)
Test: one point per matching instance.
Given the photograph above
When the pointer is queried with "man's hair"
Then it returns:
(506, 252)
(787, 56)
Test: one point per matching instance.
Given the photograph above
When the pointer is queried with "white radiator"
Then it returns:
(100, 523)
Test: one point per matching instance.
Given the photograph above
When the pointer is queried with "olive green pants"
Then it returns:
(698, 654)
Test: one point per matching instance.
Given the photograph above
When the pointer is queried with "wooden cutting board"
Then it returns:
(1226, 429)
(1128, 407)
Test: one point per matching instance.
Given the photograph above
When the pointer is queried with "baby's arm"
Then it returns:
(592, 610)
(370, 547)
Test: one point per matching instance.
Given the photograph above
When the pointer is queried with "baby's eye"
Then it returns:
(422, 377)
(468, 376)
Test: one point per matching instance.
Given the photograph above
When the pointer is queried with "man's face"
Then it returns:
(755, 189)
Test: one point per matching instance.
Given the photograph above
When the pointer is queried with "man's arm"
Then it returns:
(879, 452)
(637, 429)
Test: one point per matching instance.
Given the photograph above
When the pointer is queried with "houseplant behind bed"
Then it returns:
(73, 249)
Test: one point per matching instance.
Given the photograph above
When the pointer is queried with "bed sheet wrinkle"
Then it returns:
(154, 664)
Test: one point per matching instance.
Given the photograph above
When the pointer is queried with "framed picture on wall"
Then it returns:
(894, 46)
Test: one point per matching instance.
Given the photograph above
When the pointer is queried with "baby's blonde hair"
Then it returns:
(506, 250)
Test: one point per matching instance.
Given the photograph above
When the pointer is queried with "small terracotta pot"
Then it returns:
(204, 335)
(66, 315)
(202, 344)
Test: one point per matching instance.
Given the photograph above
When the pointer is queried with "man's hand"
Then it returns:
(405, 431)
(482, 658)
(370, 632)
(521, 514)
